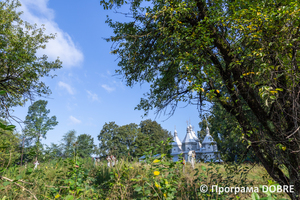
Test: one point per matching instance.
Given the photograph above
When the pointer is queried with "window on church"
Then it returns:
(174, 149)
(215, 147)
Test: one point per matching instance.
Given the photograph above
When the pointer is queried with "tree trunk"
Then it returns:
(22, 150)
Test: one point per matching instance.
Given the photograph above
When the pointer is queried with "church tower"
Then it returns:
(189, 143)
(210, 149)
(176, 146)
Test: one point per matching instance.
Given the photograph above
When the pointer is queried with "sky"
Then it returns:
(85, 93)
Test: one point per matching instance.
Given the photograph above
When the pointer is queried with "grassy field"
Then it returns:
(157, 179)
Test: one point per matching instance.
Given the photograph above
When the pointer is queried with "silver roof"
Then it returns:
(177, 141)
(208, 138)
(189, 138)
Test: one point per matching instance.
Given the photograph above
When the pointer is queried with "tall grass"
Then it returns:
(52, 180)
(155, 178)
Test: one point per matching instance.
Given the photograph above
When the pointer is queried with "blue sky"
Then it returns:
(85, 94)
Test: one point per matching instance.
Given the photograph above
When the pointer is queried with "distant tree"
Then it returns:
(130, 140)
(85, 145)
(54, 151)
(202, 133)
(69, 140)
(128, 136)
(155, 132)
(117, 140)
(140, 144)
(20, 68)
(108, 139)
(38, 123)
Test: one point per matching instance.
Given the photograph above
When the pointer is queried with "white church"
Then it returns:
(207, 151)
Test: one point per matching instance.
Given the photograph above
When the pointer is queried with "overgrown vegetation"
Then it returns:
(155, 178)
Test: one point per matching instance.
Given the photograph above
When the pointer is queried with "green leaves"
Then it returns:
(38, 123)
(20, 68)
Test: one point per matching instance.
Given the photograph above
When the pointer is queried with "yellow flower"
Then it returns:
(57, 196)
(283, 148)
(165, 195)
(218, 91)
(156, 185)
(156, 173)
(156, 161)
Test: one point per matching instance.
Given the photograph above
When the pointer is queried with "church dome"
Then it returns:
(208, 138)
(176, 140)
(189, 138)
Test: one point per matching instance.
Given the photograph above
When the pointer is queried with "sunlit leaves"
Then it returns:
(20, 68)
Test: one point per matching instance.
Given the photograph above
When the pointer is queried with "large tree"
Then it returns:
(38, 123)
(20, 68)
(242, 54)
(85, 145)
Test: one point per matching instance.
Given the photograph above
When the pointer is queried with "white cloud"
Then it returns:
(37, 12)
(67, 87)
(92, 96)
(74, 120)
(107, 88)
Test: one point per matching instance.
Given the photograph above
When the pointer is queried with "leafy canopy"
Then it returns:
(130, 139)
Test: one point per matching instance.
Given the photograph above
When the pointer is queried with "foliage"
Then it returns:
(20, 68)
(131, 139)
(38, 123)
(85, 145)
(8, 145)
(80, 179)
(54, 151)
(130, 136)
(228, 134)
(202, 133)
(156, 134)
(242, 54)
(69, 140)
(109, 140)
